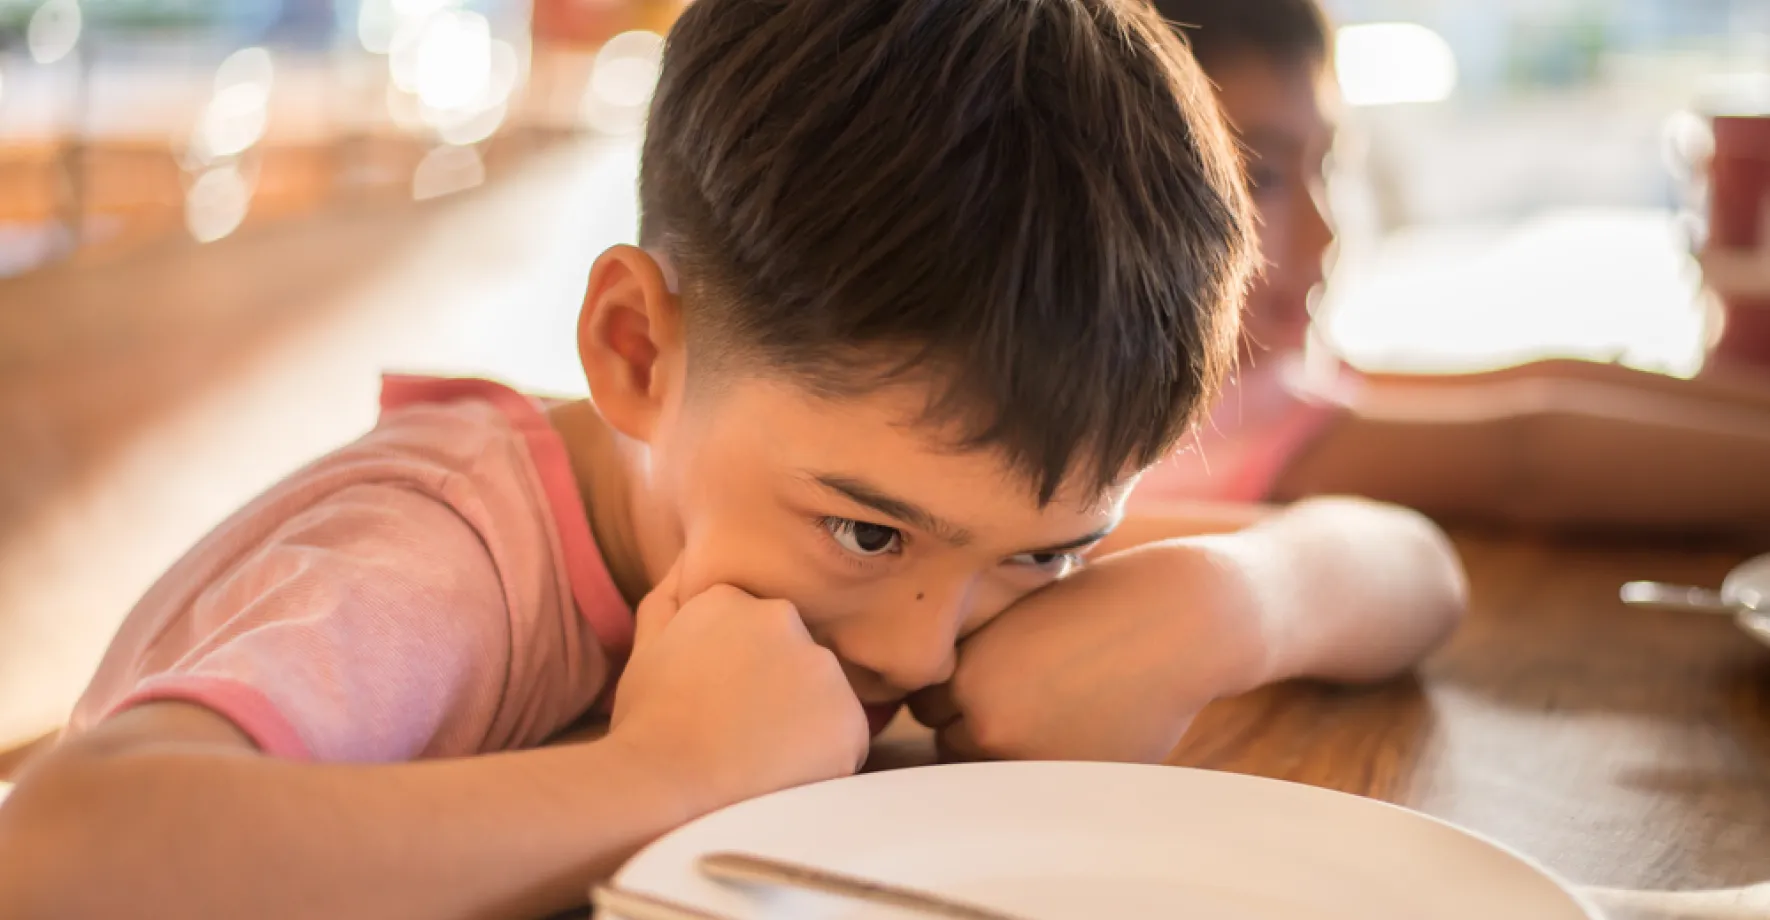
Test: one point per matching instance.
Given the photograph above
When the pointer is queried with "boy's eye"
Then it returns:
(862, 538)
(1263, 179)
(1053, 563)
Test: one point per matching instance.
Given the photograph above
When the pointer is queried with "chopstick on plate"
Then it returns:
(744, 868)
(632, 905)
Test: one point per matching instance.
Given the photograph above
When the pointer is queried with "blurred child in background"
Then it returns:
(1559, 443)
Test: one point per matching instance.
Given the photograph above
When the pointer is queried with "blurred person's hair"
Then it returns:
(1033, 206)
(1285, 31)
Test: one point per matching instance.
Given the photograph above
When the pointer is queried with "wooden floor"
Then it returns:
(142, 400)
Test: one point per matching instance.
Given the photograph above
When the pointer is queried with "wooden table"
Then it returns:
(1623, 748)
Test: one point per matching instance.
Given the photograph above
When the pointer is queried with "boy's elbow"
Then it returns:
(1434, 598)
(29, 862)
(1444, 583)
(1439, 585)
(1424, 593)
(42, 855)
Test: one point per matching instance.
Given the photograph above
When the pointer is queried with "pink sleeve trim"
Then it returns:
(600, 604)
(240, 703)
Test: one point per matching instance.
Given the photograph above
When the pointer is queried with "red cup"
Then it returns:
(1739, 191)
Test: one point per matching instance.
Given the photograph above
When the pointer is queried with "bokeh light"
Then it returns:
(239, 111)
(505, 74)
(1388, 63)
(405, 110)
(621, 82)
(449, 75)
(54, 30)
(380, 23)
(465, 127)
(451, 64)
(417, 9)
(216, 203)
(376, 25)
(252, 66)
(447, 170)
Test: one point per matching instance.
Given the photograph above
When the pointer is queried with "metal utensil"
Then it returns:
(1744, 596)
(1689, 597)
(749, 869)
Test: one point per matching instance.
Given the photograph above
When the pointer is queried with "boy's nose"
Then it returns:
(909, 649)
(916, 669)
(893, 677)
(903, 659)
(1319, 233)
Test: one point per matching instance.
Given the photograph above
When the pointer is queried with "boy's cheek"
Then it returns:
(706, 567)
(718, 550)
(995, 599)
(760, 574)
(696, 572)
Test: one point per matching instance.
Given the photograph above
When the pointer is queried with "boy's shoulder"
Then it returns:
(450, 537)
(440, 426)
(486, 451)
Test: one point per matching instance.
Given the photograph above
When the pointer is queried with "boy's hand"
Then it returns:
(1111, 663)
(729, 696)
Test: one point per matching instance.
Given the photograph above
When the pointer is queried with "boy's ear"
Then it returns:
(630, 340)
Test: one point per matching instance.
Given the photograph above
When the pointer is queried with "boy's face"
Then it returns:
(1282, 111)
(892, 546)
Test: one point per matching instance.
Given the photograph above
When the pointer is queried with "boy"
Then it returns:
(1570, 444)
(925, 283)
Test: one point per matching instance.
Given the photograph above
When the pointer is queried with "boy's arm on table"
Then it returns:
(1344, 588)
(1149, 522)
(170, 805)
(1738, 387)
(1131, 647)
(1554, 451)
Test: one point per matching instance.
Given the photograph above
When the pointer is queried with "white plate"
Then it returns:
(1074, 841)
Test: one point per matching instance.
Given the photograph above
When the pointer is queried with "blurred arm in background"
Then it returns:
(1561, 444)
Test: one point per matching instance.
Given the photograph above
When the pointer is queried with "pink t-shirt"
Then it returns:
(1263, 420)
(432, 590)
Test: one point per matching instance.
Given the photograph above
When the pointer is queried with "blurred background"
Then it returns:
(1515, 180)
(220, 220)
(126, 122)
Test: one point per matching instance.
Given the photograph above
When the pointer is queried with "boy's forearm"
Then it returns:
(1345, 589)
(1156, 521)
(221, 834)
(1558, 452)
(1127, 650)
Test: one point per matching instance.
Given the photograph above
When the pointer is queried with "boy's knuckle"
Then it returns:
(723, 594)
(781, 615)
(994, 734)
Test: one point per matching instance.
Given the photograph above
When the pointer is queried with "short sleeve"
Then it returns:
(370, 626)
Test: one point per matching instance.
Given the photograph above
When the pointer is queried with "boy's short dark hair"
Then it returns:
(1031, 204)
(1287, 31)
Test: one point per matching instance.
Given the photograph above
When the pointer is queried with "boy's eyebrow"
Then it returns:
(1082, 542)
(904, 512)
(1272, 141)
(1278, 142)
